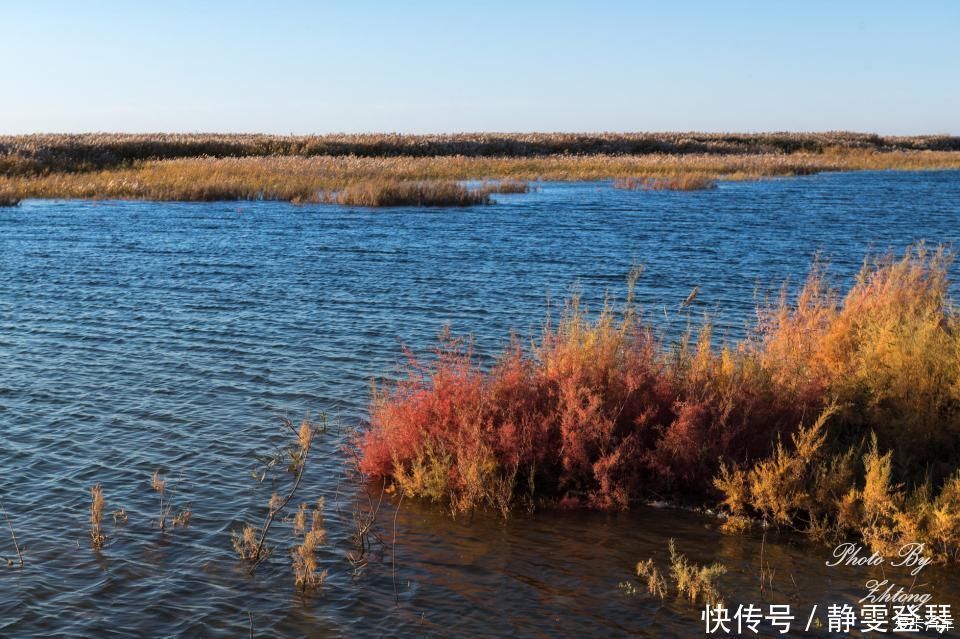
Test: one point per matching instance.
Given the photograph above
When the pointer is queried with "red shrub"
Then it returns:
(595, 413)
(599, 413)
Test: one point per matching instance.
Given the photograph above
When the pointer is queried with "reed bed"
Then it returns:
(378, 193)
(599, 412)
(42, 153)
(686, 182)
(505, 186)
(311, 179)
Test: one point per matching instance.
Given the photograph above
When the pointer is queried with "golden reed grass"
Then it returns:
(599, 412)
(409, 193)
(315, 169)
(309, 530)
(43, 153)
(321, 178)
(687, 182)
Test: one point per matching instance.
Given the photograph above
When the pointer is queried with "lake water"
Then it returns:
(137, 336)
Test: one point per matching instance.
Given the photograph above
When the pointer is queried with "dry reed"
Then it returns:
(320, 178)
(377, 193)
(308, 529)
(688, 182)
(505, 186)
(43, 153)
(250, 543)
(97, 536)
(159, 485)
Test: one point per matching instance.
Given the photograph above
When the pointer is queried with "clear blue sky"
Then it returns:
(315, 67)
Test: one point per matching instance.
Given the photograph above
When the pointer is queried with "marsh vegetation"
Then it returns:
(600, 412)
(416, 170)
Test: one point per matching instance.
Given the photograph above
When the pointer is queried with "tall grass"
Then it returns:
(308, 179)
(505, 186)
(43, 153)
(400, 193)
(686, 182)
(599, 412)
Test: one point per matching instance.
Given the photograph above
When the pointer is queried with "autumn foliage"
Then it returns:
(599, 411)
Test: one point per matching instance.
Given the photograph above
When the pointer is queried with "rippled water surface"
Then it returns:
(137, 336)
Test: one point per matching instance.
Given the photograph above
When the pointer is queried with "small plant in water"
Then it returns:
(693, 581)
(656, 583)
(308, 528)
(159, 484)
(97, 537)
(182, 520)
(696, 583)
(13, 536)
(250, 543)
(246, 544)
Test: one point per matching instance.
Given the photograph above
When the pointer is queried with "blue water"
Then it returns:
(137, 336)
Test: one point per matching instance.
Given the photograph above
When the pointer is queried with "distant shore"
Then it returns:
(411, 168)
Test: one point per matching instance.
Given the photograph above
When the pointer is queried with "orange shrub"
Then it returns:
(598, 411)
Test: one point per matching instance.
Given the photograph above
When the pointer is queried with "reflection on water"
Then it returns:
(142, 335)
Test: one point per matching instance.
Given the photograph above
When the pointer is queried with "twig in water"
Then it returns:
(159, 484)
(12, 534)
(763, 545)
(365, 522)
(251, 544)
(304, 437)
(393, 553)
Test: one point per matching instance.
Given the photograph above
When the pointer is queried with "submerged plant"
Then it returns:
(655, 581)
(182, 519)
(308, 529)
(13, 535)
(97, 536)
(692, 581)
(159, 485)
(695, 582)
(250, 543)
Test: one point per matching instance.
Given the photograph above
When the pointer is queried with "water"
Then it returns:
(137, 336)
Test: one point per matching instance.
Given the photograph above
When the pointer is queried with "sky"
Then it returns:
(432, 67)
